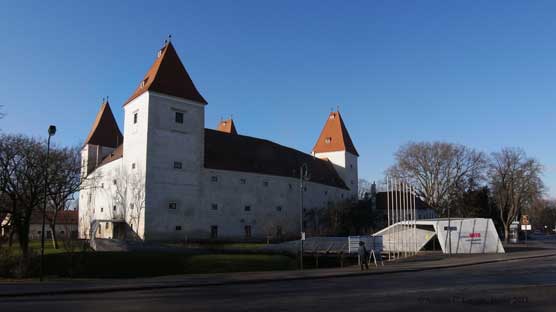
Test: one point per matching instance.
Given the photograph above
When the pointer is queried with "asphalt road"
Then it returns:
(521, 285)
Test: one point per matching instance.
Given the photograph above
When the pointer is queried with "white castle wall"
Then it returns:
(346, 165)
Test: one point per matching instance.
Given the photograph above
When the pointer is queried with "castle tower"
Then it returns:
(227, 126)
(164, 146)
(103, 139)
(335, 144)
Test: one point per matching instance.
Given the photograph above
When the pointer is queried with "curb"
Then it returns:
(255, 281)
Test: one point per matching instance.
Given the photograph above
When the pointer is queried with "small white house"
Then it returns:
(167, 177)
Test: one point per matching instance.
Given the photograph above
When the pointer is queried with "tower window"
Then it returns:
(247, 229)
(213, 231)
(328, 140)
(242, 181)
(101, 209)
(135, 118)
(179, 117)
(114, 182)
(214, 178)
(265, 183)
(177, 164)
(113, 208)
(214, 206)
(178, 227)
(247, 208)
(172, 206)
(278, 208)
(133, 166)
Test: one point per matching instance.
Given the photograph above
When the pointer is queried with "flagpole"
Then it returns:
(388, 213)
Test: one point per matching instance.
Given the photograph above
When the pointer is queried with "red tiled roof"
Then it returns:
(227, 126)
(334, 136)
(116, 154)
(248, 154)
(63, 217)
(168, 76)
(105, 131)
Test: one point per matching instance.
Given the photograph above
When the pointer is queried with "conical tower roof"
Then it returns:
(227, 126)
(334, 136)
(168, 76)
(105, 131)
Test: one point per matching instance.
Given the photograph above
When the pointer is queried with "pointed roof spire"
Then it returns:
(167, 75)
(334, 136)
(105, 131)
(227, 126)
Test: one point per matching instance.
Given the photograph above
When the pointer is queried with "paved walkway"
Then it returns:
(419, 263)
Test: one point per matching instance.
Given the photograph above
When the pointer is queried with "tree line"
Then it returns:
(463, 182)
(23, 170)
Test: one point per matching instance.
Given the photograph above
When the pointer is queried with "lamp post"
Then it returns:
(51, 132)
(303, 176)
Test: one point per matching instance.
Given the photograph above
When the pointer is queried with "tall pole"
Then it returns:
(405, 219)
(449, 232)
(414, 219)
(388, 214)
(303, 174)
(51, 132)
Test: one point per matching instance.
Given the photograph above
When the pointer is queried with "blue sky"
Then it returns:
(479, 73)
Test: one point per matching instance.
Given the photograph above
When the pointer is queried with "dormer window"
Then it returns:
(144, 82)
(332, 116)
(328, 140)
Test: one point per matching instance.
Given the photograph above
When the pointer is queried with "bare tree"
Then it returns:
(516, 183)
(364, 188)
(129, 196)
(438, 170)
(64, 181)
(22, 161)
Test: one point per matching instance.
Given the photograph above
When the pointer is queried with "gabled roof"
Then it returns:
(334, 136)
(116, 154)
(248, 154)
(227, 126)
(105, 131)
(168, 76)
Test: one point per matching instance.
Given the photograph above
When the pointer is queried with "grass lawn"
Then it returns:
(219, 245)
(35, 247)
(145, 264)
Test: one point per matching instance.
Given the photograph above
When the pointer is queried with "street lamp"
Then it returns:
(303, 176)
(51, 132)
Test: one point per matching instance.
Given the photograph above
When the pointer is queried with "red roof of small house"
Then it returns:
(227, 126)
(63, 217)
(105, 130)
(168, 76)
(334, 136)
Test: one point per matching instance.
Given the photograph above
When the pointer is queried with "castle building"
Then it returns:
(168, 178)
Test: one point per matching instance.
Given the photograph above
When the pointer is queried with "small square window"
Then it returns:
(242, 181)
(278, 208)
(179, 117)
(342, 196)
(101, 209)
(305, 188)
(265, 183)
(290, 186)
(114, 182)
(325, 192)
(351, 182)
(131, 206)
(247, 208)
(133, 166)
(102, 185)
(134, 118)
(172, 206)
(177, 165)
(214, 179)
(178, 227)
(106, 225)
(328, 140)
(351, 166)
(214, 206)
(113, 208)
